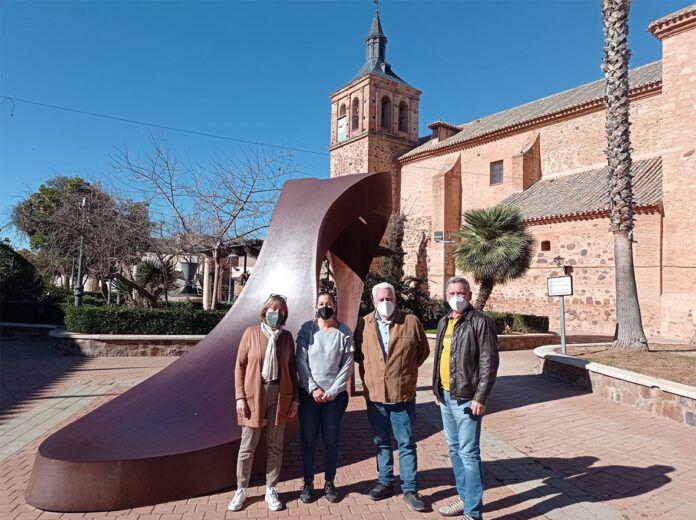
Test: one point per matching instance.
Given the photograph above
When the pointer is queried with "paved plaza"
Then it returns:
(550, 451)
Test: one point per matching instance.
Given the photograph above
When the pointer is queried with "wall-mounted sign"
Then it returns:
(438, 236)
(559, 285)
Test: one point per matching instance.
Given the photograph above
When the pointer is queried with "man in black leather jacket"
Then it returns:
(466, 364)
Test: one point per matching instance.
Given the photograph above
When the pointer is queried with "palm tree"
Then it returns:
(494, 247)
(629, 325)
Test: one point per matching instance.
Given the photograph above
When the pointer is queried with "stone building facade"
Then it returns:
(547, 158)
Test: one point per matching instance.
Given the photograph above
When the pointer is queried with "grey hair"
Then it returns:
(383, 285)
(457, 279)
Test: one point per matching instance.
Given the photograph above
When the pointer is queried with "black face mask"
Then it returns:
(325, 313)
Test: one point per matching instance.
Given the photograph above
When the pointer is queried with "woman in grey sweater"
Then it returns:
(324, 358)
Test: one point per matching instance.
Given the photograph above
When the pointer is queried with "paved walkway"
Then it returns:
(549, 451)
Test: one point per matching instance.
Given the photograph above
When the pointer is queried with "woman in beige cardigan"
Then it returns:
(266, 389)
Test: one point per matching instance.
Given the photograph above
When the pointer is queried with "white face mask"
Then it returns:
(458, 303)
(385, 308)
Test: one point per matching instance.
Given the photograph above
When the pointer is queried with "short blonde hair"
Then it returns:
(275, 300)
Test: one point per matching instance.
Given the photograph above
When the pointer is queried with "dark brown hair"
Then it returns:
(330, 295)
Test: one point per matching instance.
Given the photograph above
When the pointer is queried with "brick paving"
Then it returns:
(549, 451)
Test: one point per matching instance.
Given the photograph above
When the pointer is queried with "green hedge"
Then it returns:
(31, 312)
(140, 320)
(527, 323)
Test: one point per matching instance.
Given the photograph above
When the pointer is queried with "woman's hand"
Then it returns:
(318, 395)
(293, 409)
(327, 397)
(243, 408)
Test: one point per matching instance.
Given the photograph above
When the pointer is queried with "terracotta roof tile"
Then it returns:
(673, 21)
(594, 91)
(586, 192)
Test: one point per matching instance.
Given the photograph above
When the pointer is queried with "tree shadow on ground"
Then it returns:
(567, 481)
(27, 370)
(562, 482)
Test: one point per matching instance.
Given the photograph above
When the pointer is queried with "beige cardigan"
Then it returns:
(247, 375)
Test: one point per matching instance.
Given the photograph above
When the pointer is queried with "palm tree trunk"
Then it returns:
(485, 290)
(629, 326)
(629, 333)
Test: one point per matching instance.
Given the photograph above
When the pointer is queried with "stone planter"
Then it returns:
(514, 341)
(121, 345)
(25, 331)
(661, 397)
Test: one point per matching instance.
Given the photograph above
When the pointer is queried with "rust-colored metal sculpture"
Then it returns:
(175, 435)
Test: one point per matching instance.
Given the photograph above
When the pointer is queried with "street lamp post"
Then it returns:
(79, 288)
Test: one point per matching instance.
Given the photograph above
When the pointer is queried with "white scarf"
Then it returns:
(270, 361)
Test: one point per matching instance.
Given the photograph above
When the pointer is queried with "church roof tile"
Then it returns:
(586, 193)
(589, 93)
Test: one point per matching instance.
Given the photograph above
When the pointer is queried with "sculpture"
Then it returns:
(175, 435)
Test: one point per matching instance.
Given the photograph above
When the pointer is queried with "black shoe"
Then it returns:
(307, 494)
(380, 491)
(414, 502)
(330, 492)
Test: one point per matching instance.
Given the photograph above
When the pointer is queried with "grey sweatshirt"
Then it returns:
(324, 358)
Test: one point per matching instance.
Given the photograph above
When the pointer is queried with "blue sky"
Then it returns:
(263, 71)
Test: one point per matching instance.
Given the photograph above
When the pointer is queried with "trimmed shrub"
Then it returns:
(47, 313)
(140, 320)
(511, 322)
(88, 298)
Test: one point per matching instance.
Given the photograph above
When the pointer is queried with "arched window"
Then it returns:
(342, 127)
(403, 117)
(386, 113)
(355, 115)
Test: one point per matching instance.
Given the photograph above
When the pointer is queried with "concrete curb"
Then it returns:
(60, 333)
(549, 352)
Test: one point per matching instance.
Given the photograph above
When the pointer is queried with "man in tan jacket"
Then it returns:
(389, 347)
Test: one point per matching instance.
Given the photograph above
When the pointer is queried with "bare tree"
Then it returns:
(208, 208)
(629, 325)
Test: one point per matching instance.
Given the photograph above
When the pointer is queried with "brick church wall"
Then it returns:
(678, 302)
(586, 245)
(567, 146)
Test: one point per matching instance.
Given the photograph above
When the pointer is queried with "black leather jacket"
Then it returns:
(473, 357)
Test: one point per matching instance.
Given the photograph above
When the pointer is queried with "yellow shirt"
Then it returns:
(445, 354)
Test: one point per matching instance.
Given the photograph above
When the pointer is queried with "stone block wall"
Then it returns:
(587, 246)
(678, 302)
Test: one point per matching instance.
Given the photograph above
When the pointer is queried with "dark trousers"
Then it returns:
(324, 418)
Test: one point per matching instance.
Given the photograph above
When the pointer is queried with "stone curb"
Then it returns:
(549, 352)
(60, 333)
(27, 325)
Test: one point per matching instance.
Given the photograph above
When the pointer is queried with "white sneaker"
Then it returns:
(274, 503)
(237, 500)
(455, 508)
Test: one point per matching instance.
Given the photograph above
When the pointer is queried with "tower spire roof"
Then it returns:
(376, 47)
(376, 29)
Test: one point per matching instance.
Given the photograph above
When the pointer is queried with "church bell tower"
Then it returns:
(374, 118)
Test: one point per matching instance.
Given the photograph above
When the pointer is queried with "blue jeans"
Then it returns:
(463, 434)
(324, 417)
(399, 420)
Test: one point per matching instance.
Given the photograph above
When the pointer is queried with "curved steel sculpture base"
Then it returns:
(175, 435)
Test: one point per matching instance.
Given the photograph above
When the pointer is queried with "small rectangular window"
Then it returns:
(546, 245)
(496, 172)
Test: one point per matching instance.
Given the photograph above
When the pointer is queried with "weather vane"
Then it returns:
(376, 5)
